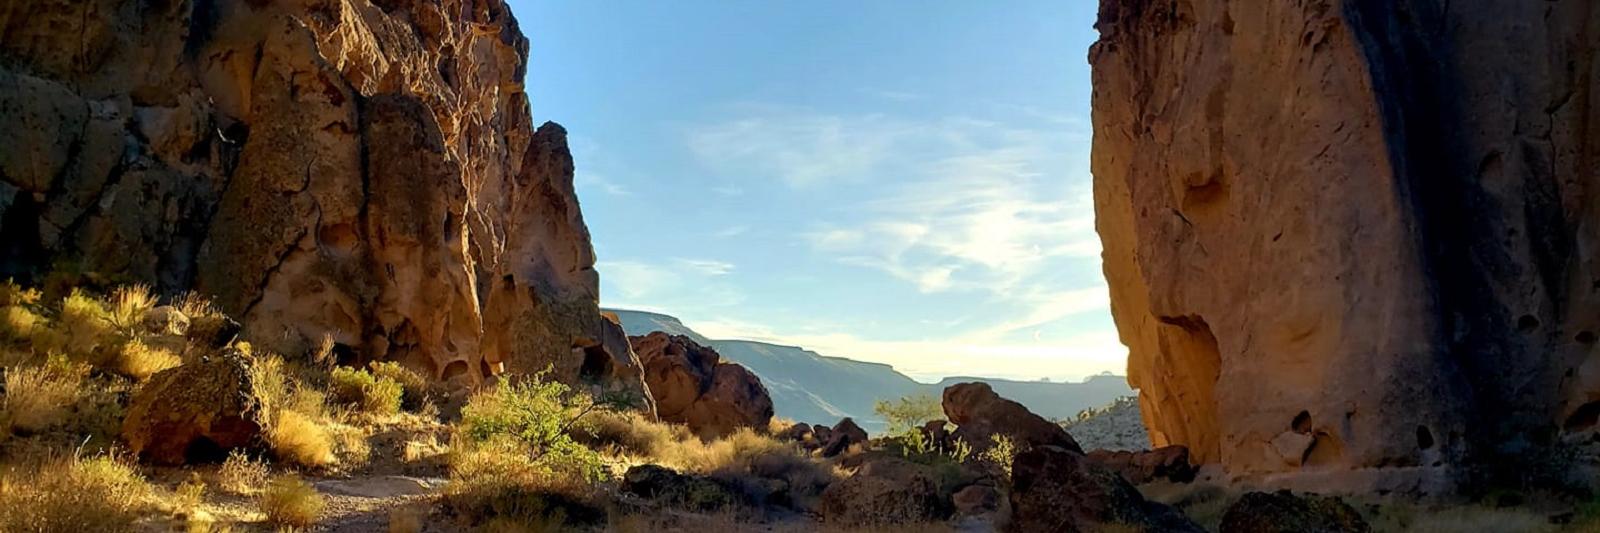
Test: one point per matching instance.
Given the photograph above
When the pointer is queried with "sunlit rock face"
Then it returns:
(361, 169)
(1350, 234)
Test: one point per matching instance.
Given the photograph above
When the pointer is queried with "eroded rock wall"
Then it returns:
(365, 169)
(1342, 234)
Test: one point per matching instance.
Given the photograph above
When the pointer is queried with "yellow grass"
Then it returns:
(288, 501)
(241, 475)
(38, 398)
(129, 303)
(299, 439)
(72, 494)
(139, 361)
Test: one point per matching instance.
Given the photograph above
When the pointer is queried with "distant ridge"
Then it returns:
(810, 387)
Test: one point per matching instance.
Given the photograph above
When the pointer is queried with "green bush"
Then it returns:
(415, 386)
(537, 414)
(908, 413)
(374, 395)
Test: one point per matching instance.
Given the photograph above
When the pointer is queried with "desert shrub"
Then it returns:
(39, 398)
(746, 458)
(139, 361)
(415, 386)
(129, 303)
(1002, 450)
(240, 474)
(186, 499)
(359, 388)
(498, 483)
(908, 413)
(629, 432)
(205, 320)
(288, 501)
(83, 323)
(19, 324)
(300, 439)
(73, 494)
(13, 294)
(539, 415)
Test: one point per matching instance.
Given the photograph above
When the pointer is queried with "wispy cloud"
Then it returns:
(709, 267)
(991, 207)
(731, 231)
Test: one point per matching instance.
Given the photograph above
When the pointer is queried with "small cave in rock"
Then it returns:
(21, 253)
(455, 368)
(1585, 337)
(1583, 418)
(1424, 438)
(1527, 323)
(596, 363)
(202, 450)
(1301, 423)
(345, 355)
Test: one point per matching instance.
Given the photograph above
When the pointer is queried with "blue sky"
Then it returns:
(894, 181)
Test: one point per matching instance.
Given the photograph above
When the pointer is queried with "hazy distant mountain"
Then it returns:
(810, 387)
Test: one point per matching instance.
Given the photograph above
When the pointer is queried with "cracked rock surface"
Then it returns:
(365, 169)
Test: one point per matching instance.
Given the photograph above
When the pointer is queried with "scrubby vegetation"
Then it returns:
(289, 501)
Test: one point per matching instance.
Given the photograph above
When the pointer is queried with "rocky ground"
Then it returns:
(1116, 427)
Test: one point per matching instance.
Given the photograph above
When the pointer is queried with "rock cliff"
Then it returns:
(1352, 233)
(364, 169)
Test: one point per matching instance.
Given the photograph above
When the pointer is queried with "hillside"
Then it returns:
(811, 387)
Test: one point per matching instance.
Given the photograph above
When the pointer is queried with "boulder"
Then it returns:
(1329, 224)
(842, 436)
(194, 412)
(366, 170)
(665, 485)
(1056, 489)
(1284, 512)
(975, 500)
(979, 414)
(884, 491)
(692, 386)
(1168, 463)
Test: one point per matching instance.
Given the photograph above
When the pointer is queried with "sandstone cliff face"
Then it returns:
(365, 169)
(1352, 233)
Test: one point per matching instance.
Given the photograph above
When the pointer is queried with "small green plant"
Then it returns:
(373, 395)
(538, 415)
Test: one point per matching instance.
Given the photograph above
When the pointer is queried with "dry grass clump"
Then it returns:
(746, 458)
(83, 325)
(288, 501)
(374, 395)
(139, 361)
(241, 475)
(38, 398)
(128, 305)
(73, 494)
(497, 485)
(205, 320)
(301, 440)
(629, 433)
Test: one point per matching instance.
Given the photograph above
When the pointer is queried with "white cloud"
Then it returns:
(636, 279)
(709, 267)
(730, 231)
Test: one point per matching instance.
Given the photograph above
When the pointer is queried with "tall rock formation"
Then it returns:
(365, 169)
(1353, 233)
